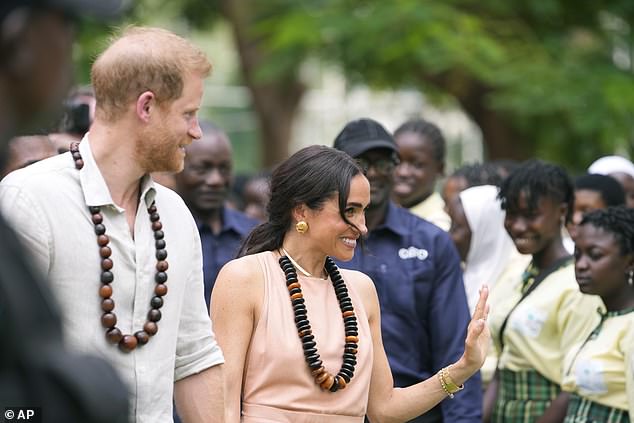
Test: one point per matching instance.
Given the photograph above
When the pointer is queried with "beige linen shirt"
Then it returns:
(47, 205)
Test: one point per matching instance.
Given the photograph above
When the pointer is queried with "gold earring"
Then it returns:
(301, 227)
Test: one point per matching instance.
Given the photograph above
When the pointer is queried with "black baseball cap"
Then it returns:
(99, 9)
(362, 135)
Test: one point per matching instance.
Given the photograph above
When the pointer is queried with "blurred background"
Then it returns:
(503, 79)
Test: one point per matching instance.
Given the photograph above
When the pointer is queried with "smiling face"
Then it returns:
(205, 180)
(174, 126)
(600, 265)
(329, 233)
(534, 230)
(379, 166)
(416, 174)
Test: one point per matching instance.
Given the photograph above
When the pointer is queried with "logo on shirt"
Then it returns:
(590, 379)
(413, 252)
(528, 320)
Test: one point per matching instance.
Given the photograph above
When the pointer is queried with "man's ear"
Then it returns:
(145, 103)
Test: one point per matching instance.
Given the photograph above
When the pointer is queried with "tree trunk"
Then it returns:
(500, 138)
(275, 100)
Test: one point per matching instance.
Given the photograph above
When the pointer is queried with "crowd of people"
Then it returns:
(351, 283)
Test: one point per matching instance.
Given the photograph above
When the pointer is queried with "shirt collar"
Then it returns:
(392, 221)
(93, 185)
(229, 222)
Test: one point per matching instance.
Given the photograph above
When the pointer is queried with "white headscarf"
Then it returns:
(491, 247)
(612, 164)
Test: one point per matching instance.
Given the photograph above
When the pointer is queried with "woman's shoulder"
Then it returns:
(240, 282)
(361, 284)
(356, 277)
(243, 269)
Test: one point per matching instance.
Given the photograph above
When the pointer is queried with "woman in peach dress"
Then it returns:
(301, 338)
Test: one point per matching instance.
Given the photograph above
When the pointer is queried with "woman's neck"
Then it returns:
(549, 255)
(621, 300)
(305, 257)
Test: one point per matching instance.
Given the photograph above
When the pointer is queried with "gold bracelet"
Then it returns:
(447, 384)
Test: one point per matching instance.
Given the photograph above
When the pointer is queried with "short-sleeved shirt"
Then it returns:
(424, 314)
(223, 247)
(545, 325)
(502, 295)
(47, 204)
(599, 368)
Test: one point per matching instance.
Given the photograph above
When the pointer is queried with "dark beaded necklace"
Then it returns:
(322, 377)
(108, 318)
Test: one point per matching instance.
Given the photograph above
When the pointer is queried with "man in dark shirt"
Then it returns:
(36, 370)
(416, 270)
(204, 185)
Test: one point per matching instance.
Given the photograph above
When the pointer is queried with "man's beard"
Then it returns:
(157, 151)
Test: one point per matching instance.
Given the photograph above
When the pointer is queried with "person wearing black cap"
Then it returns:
(416, 270)
(36, 369)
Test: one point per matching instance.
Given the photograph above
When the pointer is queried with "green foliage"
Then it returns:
(560, 72)
(547, 66)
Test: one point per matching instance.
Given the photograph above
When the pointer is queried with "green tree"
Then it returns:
(550, 78)
(553, 78)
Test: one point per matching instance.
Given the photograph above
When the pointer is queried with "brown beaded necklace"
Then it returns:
(322, 377)
(108, 318)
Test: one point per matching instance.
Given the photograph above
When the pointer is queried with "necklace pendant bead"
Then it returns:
(142, 337)
(108, 320)
(105, 291)
(128, 343)
(107, 304)
(151, 328)
(114, 336)
(160, 289)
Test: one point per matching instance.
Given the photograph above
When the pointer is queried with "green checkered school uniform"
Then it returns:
(582, 410)
(539, 330)
(523, 396)
(598, 372)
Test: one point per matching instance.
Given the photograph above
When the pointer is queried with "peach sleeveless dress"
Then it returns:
(277, 384)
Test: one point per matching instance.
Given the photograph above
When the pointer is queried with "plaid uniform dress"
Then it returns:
(523, 396)
(582, 410)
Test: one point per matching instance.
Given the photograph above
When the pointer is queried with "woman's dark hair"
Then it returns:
(536, 179)
(610, 189)
(618, 220)
(311, 176)
(429, 131)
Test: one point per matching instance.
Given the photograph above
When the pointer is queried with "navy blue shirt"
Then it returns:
(424, 314)
(221, 248)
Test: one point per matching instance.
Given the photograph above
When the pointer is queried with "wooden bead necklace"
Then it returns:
(322, 377)
(108, 318)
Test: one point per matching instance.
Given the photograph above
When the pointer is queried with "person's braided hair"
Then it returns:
(618, 220)
(536, 179)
